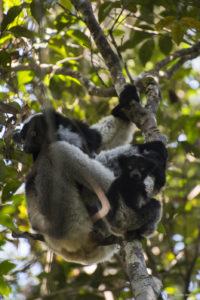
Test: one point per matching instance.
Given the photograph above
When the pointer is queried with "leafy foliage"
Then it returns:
(36, 35)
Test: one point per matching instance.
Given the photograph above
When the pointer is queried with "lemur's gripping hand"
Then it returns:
(128, 94)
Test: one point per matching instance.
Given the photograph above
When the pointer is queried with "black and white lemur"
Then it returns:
(133, 212)
(60, 199)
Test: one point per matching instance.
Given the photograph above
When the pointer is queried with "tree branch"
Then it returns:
(179, 64)
(8, 109)
(145, 287)
(109, 56)
(190, 53)
(44, 69)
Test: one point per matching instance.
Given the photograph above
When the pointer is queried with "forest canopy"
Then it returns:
(51, 57)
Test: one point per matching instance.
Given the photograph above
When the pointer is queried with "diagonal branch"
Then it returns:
(110, 58)
(8, 109)
(194, 51)
(43, 69)
(144, 286)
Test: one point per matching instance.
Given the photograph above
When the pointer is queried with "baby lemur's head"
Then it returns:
(136, 167)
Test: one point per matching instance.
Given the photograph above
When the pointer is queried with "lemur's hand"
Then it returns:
(128, 94)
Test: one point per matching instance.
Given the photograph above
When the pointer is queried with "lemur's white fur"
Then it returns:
(65, 134)
(115, 132)
(31, 117)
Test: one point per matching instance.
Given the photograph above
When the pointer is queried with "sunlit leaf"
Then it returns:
(73, 79)
(170, 256)
(80, 37)
(64, 20)
(12, 13)
(5, 267)
(161, 228)
(67, 4)
(171, 290)
(23, 78)
(58, 45)
(7, 221)
(22, 211)
(5, 289)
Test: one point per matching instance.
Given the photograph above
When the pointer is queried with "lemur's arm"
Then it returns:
(117, 130)
(114, 132)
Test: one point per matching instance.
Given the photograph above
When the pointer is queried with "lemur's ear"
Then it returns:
(122, 159)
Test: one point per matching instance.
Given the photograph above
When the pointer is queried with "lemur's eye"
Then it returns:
(130, 167)
(142, 169)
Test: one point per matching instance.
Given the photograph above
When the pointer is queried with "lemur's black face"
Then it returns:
(136, 167)
(33, 134)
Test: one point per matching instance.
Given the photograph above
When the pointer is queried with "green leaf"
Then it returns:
(136, 39)
(12, 13)
(23, 78)
(67, 4)
(165, 44)
(7, 221)
(57, 44)
(10, 189)
(161, 228)
(146, 51)
(2, 243)
(105, 9)
(18, 199)
(177, 33)
(166, 22)
(64, 20)
(20, 31)
(118, 32)
(2, 170)
(4, 287)
(5, 267)
(130, 5)
(80, 37)
(191, 23)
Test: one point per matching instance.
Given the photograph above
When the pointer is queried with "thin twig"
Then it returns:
(120, 56)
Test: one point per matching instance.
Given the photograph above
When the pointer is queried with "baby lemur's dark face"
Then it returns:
(136, 167)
